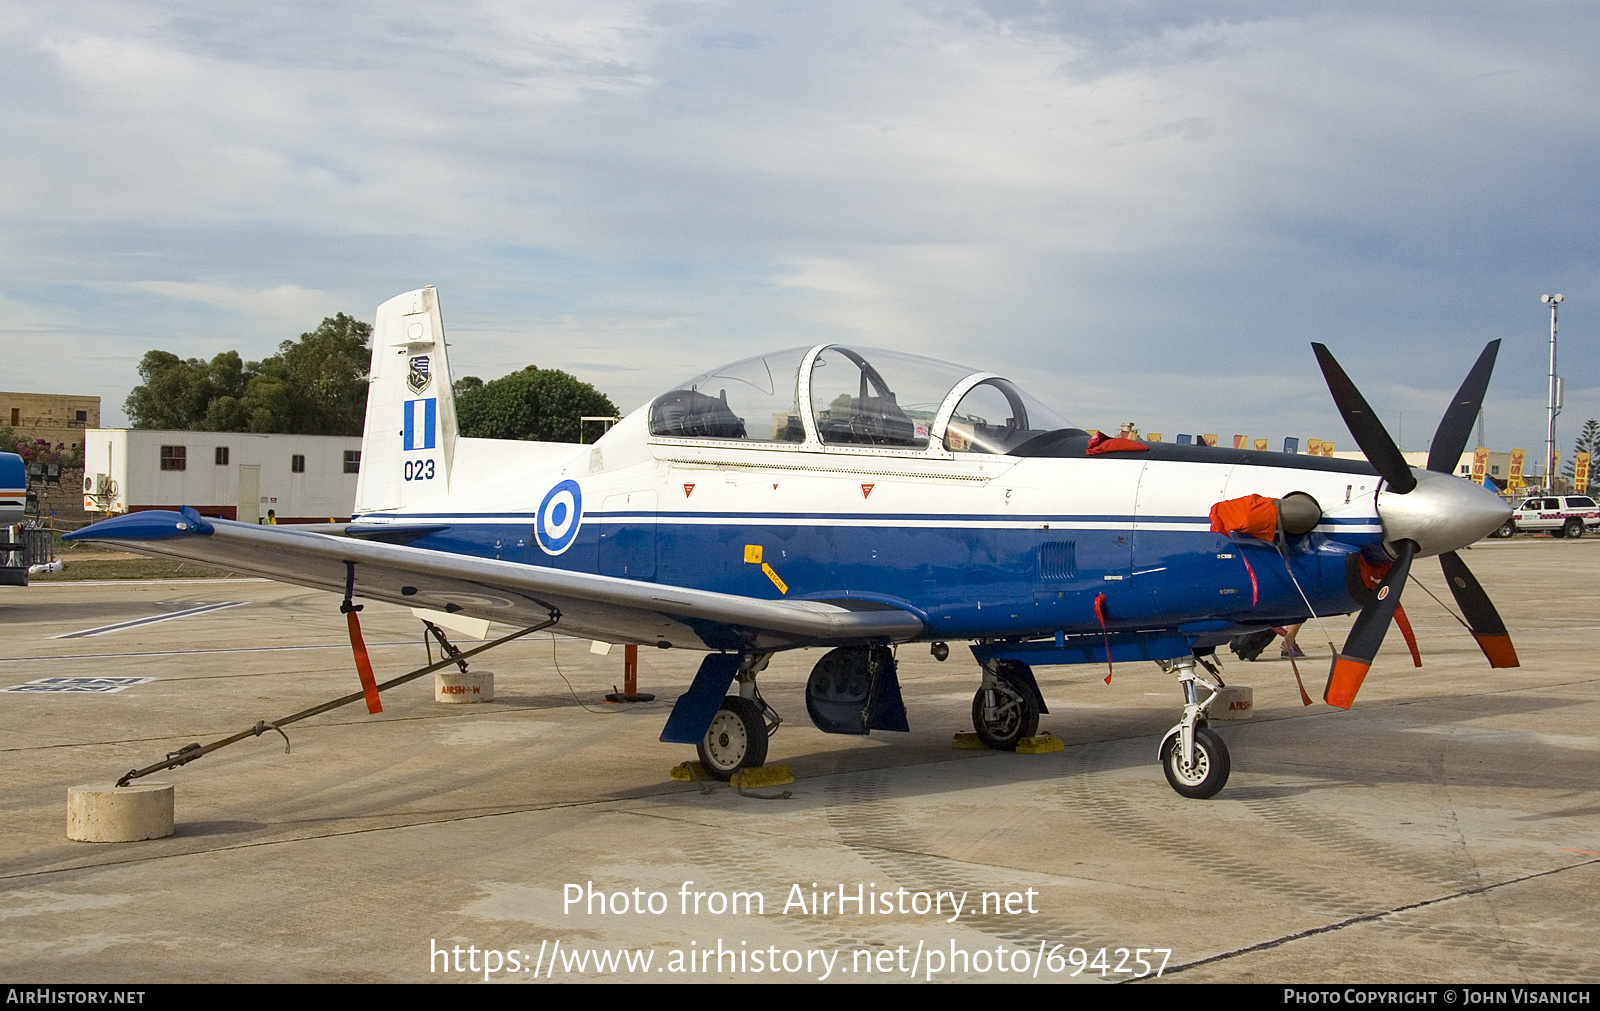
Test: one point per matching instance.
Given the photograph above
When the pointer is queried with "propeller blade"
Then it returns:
(1481, 616)
(1366, 635)
(1404, 625)
(1450, 439)
(1369, 432)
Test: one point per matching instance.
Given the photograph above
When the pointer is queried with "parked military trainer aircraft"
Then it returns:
(857, 499)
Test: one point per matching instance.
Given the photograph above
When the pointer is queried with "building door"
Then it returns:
(249, 493)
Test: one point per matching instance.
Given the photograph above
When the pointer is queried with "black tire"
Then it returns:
(1015, 714)
(1507, 529)
(1211, 765)
(737, 738)
(1572, 528)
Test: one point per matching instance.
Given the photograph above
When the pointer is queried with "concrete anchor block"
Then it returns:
(454, 686)
(100, 813)
(1234, 702)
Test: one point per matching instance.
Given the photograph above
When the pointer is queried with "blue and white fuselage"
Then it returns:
(863, 476)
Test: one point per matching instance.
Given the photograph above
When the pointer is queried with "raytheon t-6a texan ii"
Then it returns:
(857, 499)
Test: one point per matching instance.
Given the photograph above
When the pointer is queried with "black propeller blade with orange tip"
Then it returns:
(1366, 635)
(1482, 618)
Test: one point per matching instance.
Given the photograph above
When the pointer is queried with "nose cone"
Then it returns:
(1442, 513)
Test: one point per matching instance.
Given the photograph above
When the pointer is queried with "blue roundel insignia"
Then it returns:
(560, 515)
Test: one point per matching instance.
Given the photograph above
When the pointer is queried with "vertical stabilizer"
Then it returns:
(409, 442)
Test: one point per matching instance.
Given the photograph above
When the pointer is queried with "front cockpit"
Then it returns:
(835, 397)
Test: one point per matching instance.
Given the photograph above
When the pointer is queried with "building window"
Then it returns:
(352, 461)
(174, 457)
(297, 463)
(83, 415)
(16, 416)
(222, 456)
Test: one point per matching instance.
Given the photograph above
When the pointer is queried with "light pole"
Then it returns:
(1555, 400)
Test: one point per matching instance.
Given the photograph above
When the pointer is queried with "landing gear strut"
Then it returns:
(1194, 758)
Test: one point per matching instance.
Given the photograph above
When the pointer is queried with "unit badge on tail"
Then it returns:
(420, 377)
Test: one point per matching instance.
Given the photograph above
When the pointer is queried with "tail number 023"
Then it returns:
(419, 470)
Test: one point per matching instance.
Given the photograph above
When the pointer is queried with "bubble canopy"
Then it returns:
(836, 396)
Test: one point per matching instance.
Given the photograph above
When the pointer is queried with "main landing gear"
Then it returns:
(1194, 758)
(1006, 707)
(738, 735)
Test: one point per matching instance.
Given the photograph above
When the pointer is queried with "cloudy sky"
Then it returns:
(1141, 211)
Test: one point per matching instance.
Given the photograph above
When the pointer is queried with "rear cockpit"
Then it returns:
(835, 397)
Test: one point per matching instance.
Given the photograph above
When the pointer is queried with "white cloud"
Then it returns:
(287, 303)
(648, 190)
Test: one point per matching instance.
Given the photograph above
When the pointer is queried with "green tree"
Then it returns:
(177, 392)
(543, 405)
(313, 386)
(1588, 442)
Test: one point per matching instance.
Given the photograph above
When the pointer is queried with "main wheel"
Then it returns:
(1573, 527)
(737, 738)
(1013, 715)
(1506, 529)
(1207, 775)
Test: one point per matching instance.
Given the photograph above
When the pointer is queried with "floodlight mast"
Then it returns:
(1554, 403)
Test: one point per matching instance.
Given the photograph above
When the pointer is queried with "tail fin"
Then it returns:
(410, 439)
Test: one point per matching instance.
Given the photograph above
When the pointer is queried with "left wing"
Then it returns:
(599, 607)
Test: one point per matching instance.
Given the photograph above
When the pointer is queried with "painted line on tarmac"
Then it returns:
(137, 582)
(234, 649)
(153, 619)
(1371, 917)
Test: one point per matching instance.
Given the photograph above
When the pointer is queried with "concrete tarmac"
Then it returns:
(1446, 829)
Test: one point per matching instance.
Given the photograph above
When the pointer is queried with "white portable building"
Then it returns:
(230, 475)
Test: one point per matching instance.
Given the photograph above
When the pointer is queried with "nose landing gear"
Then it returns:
(1194, 758)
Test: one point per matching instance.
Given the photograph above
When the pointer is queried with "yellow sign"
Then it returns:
(1210, 439)
(1152, 437)
(1518, 456)
(1480, 464)
(1238, 442)
(1327, 448)
(1580, 472)
(1261, 445)
(1314, 447)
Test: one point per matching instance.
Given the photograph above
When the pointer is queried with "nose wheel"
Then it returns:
(1199, 777)
(737, 738)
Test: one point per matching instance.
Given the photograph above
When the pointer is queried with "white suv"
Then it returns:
(1562, 515)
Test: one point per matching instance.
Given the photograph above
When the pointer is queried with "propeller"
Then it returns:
(1436, 515)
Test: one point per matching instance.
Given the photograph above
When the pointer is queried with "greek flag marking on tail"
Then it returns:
(422, 418)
